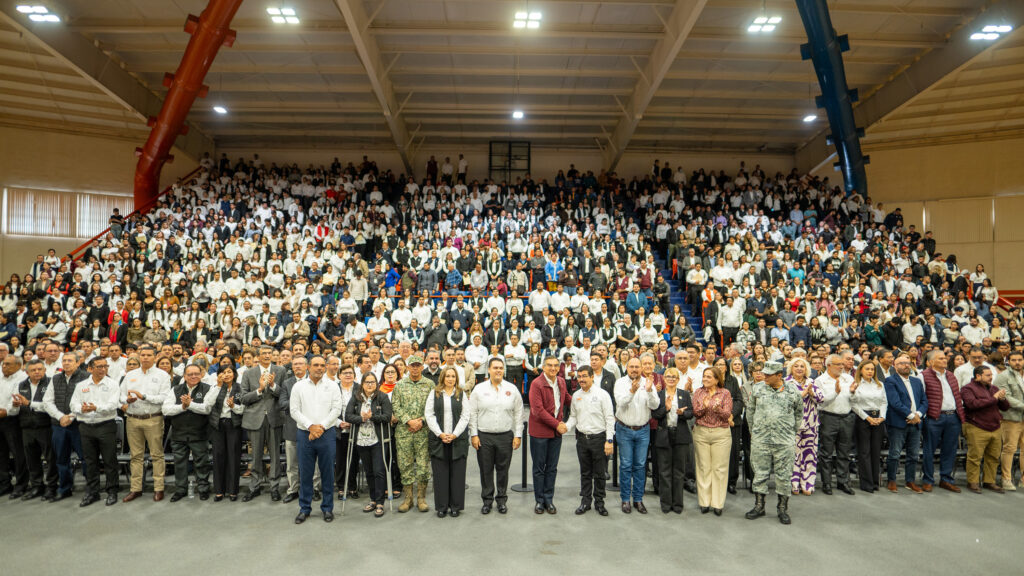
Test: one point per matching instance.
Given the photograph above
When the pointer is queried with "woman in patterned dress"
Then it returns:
(805, 467)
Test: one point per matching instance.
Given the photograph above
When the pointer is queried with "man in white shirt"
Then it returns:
(315, 406)
(592, 417)
(143, 391)
(837, 421)
(496, 430)
(965, 373)
(476, 355)
(10, 430)
(635, 398)
(94, 405)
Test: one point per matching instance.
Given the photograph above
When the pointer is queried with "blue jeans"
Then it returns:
(545, 453)
(632, 461)
(66, 440)
(942, 433)
(312, 453)
(898, 438)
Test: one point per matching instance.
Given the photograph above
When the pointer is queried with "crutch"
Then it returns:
(348, 464)
(386, 430)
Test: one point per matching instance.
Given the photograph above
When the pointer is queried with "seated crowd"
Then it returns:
(796, 327)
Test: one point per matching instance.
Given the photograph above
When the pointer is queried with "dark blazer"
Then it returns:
(380, 409)
(608, 384)
(933, 391)
(542, 407)
(733, 386)
(663, 437)
(288, 426)
(899, 402)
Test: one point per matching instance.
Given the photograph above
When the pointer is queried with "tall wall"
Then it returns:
(66, 162)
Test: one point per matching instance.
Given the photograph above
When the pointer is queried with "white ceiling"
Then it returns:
(455, 70)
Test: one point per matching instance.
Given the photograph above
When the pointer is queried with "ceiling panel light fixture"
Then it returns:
(220, 110)
(26, 9)
(529, 20)
(274, 11)
(518, 114)
(764, 24)
(992, 32)
(283, 15)
(810, 118)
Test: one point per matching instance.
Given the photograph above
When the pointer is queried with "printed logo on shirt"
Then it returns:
(507, 393)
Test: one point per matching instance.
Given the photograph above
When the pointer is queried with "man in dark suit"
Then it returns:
(261, 386)
(942, 422)
(907, 404)
(98, 311)
(551, 331)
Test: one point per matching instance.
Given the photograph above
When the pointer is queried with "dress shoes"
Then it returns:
(947, 486)
(132, 496)
(275, 495)
(290, 497)
(111, 499)
(626, 508)
(442, 512)
(926, 487)
(49, 495)
(705, 509)
(502, 509)
(827, 489)
(32, 494)
(599, 506)
(158, 495)
(485, 509)
(89, 499)
(328, 516)
(690, 486)
(640, 507)
(731, 489)
(974, 487)
(993, 487)
(16, 493)
(665, 509)
(677, 509)
(302, 517)
(717, 511)
(538, 508)
(454, 512)
(204, 495)
(233, 497)
(893, 487)
(250, 495)
(912, 487)
(550, 509)
(846, 488)
(582, 509)
(177, 496)
(61, 496)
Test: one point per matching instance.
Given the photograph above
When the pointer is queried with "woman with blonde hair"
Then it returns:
(712, 440)
(447, 417)
(868, 400)
(805, 467)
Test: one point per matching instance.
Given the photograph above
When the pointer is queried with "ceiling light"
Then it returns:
(529, 20)
(1000, 28)
(519, 24)
(36, 9)
(761, 20)
(775, 19)
(985, 36)
(535, 15)
(220, 110)
(754, 28)
(277, 19)
(292, 20)
(288, 11)
(768, 28)
(810, 118)
(44, 18)
(518, 114)
(533, 24)
(274, 11)
(764, 24)
(521, 15)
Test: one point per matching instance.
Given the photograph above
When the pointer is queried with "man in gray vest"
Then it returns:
(773, 414)
(261, 386)
(188, 407)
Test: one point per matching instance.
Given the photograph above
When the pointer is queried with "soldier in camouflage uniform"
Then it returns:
(408, 401)
(774, 412)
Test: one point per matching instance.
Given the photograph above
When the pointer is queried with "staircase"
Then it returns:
(678, 297)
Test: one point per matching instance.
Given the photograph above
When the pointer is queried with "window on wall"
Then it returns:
(58, 214)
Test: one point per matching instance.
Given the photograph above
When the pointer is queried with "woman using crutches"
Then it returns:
(369, 412)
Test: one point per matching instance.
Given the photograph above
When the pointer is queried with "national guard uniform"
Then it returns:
(409, 400)
(774, 415)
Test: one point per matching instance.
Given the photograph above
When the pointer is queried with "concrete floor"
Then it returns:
(877, 533)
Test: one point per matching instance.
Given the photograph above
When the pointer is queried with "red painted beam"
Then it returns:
(209, 32)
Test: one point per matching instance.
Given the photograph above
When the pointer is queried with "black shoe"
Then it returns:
(846, 488)
(177, 496)
(705, 509)
(442, 513)
(328, 516)
(827, 489)
(250, 495)
(301, 517)
(731, 489)
(454, 512)
(502, 509)
(32, 494)
(218, 497)
(550, 509)
(61, 496)
(233, 497)
(677, 509)
(665, 509)
(485, 509)
(317, 495)
(599, 506)
(89, 499)
(538, 508)
(17, 493)
(640, 507)
(717, 511)
(204, 496)
(275, 495)
(690, 486)
(582, 509)
(626, 508)
(111, 499)
(290, 497)
(49, 496)
(353, 493)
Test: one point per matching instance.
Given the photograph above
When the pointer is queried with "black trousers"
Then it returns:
(343, 466)
(494, 458)
(593, 464)
(449, 481)
(834, 444)
(12, 448)
(728, 335)
(199, 448)
(99, 441)
(734, 454)
(227, 457)
(372, 458)
(869, 453)
(672, 471)
(39, 457)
